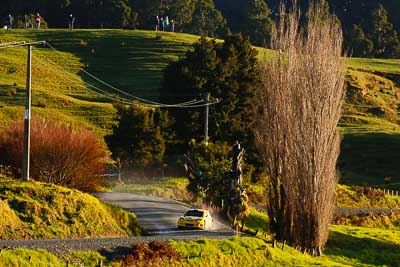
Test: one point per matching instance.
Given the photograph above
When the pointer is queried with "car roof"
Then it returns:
(199, 210)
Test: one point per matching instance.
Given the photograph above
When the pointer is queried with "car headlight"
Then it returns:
(198, 220)
(181, 218)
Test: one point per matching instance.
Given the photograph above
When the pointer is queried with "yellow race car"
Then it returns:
(195, 219)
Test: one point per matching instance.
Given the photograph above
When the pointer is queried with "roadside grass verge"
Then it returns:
(167, 187)
(255, 222)
(26, 257)
(43, 258)
(33, 210)
(347, 246)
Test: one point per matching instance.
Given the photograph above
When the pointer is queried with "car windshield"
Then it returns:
(194, 213)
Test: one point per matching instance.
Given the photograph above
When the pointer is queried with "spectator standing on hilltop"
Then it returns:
(9, 22)
(26, 21)
(157, 23)
(38, 20)
(162, 23)
(172, 25)
(71, 21)
(166, 23)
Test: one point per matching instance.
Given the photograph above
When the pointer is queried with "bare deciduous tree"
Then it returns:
(299, 107)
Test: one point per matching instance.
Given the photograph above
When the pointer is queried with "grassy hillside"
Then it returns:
(32, 210)
(134, 60)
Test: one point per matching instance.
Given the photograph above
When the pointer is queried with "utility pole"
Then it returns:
(27, 121)
(206, 120)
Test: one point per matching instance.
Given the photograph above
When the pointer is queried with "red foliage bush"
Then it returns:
(155, 253)
(59, 154)
(370, 193)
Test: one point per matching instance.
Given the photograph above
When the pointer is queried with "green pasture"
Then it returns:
(134, 60)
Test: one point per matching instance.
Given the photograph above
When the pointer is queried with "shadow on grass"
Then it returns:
(131, 62)
(366, 159)
(365, 250)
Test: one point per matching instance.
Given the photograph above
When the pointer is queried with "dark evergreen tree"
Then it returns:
(238, 77)
(360, 45)
(227, 71)
(191, 77)
(137, 140)
(251, 17)
(257, 23)
(207, 20)
(382, 34)
(148, 10)
(181, 12)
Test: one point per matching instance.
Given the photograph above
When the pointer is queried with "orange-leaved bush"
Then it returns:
(59, 154)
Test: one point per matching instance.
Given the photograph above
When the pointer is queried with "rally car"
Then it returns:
(195, 219)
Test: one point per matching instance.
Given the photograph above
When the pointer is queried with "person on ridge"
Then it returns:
(38, 20)
(26, 21)
(9, 22)
(71, 21)
(162, 23)
(166, 23)
(157, 23)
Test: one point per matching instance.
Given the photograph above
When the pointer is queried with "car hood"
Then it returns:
(192, 218)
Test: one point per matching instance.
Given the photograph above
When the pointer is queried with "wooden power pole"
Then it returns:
(27, 120)
(28, 101)
(206, 119)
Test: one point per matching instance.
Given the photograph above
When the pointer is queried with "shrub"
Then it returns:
(59, 154)
(152, 254)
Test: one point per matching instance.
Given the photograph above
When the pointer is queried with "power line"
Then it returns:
(93, 88)
(90, 87)
(189, 104)
(19, 43)
(96, 90)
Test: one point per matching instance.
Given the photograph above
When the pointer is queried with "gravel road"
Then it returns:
(106, 245)
(158, 217)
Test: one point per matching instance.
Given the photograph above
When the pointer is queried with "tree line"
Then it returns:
(370, 28)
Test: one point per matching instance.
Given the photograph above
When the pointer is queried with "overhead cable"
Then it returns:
(189, 104)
